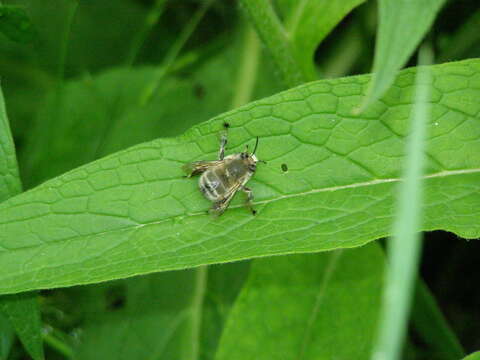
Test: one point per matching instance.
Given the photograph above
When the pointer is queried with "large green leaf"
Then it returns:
(154, 317)
(402, 25)
(88, 48)
(133, 212)
(154, 322)
(21, 310)
(317, 306)
(473, 356)
(223, 286)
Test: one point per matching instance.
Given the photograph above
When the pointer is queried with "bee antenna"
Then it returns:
(255, 148)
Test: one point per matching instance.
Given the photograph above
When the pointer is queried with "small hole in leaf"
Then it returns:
(284, 167)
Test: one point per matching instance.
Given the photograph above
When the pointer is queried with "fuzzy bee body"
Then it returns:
(221, 179)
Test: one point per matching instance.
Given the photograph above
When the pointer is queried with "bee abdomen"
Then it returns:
(211, 186)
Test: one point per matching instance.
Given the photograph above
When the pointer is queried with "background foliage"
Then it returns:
(83, 80)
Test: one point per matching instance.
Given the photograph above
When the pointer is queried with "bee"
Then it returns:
(221, 179)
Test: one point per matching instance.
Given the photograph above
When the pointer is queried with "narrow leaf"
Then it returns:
(316, 306)
(6, 337)
(133, 212)
(402, 25)
(9, 178)
(21, 310)
(405, 244)
(308, 22)
(463, 40)
(432, 326)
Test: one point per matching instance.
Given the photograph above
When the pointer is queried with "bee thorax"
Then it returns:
(236, 169)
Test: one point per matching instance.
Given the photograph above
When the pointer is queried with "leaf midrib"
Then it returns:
(444, 173)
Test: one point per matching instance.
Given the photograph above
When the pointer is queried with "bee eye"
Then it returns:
(244, 155)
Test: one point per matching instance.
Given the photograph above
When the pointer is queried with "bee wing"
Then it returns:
(198, 167)
(220, 206)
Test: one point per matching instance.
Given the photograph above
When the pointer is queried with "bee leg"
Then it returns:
(223, 142)
(249, 193)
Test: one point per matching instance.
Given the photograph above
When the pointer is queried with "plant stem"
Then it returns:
(247, 75)
(65, 41)
(273, 35)
(58, 345)
(150, 21)
(197, 310)
(173, 52)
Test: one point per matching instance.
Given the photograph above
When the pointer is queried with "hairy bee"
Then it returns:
(222, 178)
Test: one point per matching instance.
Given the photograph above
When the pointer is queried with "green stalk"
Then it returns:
(247, 75)
(150, 21)
(273, 35)
(58, 345)
(197, 311)
(173, 52)
(405, 244)
(64, 49)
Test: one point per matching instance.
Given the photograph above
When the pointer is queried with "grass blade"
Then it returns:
(150, 21)
(6, 337)
(173, 52)
(394, 47)
(432, 326)
(405, 244)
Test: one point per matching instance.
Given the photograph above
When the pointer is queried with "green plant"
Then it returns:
(110, 122)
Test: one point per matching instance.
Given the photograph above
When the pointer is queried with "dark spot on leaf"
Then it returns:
(199, 91)
(226, 125)
(284, 167)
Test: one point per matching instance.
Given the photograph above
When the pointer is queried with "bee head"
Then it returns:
(251, 158)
